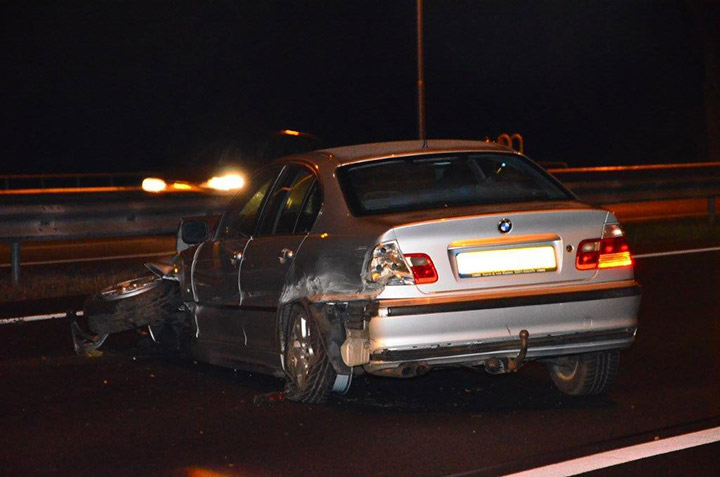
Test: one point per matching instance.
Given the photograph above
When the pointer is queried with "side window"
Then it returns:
(293, 204)
(241, 215)
(310, 210)
(288, 202)
(276, 200)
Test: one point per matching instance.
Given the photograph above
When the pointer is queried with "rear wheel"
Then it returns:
(144, 301)
(585, 374)
(310, 375)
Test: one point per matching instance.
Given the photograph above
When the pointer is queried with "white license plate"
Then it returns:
(511, 261)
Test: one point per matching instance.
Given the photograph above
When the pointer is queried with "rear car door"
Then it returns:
(287, 218)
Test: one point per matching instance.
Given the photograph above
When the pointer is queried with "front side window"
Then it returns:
(438, 181)
(241, 215)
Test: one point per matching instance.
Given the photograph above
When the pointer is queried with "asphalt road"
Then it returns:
(135, 412)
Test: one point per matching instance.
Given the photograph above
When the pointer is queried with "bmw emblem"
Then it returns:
(505, 226)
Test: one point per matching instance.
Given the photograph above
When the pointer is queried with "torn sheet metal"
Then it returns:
(85, 344)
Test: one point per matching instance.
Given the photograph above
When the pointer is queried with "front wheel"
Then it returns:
(144, 301)
(585, 374)
(309, 373)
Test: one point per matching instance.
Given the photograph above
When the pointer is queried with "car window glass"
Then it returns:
(285, 201)
(439, 181)
(294, 203)
(240, 216)
(310, 210)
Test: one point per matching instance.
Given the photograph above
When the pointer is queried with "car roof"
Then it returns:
(363, 152)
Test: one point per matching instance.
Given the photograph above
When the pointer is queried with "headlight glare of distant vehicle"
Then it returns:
(226, 182)
(153, 184)
(388, 266)
(181, 186)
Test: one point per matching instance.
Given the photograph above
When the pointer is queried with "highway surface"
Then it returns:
(136, 411)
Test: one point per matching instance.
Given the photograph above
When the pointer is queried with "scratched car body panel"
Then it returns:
(397, 258)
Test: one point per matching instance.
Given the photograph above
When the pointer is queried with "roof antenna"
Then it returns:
(422, 130)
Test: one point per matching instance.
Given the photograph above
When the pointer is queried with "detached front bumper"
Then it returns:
(471, 329)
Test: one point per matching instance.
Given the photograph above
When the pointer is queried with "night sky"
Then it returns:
(141, 85)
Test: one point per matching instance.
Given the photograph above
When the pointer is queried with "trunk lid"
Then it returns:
(470, 252)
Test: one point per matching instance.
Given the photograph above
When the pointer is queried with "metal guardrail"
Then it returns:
(610, 185)
(17, 182)
(128, 211)
(122, 214)
(57, 216)
(644, 183)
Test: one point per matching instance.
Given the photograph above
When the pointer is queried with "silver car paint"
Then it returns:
(481, 326)
(330, 266)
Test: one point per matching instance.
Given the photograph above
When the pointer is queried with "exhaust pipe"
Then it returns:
(405, 370)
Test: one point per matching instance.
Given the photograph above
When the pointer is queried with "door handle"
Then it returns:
(285, 255)
(236, 257)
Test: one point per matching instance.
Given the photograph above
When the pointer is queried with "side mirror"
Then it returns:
(194, 231)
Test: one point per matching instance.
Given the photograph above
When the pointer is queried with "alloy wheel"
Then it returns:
(302, 355)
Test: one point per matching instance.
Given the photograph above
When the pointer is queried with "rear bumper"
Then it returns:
(471, 329)
(407, 307)
(537, 347)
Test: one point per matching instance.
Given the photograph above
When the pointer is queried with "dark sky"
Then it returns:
(130, 85)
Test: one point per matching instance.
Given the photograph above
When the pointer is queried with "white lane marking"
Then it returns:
(624, 455)
(677, 252)
(93, 259)
(23, 319)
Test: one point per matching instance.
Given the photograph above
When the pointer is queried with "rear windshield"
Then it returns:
(431, 182)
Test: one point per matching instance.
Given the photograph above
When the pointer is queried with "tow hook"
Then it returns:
(515, 363)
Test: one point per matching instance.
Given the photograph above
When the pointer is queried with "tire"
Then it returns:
(585, 374)
(148, 302)
(310, 375)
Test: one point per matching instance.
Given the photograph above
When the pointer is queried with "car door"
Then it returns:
(287, 218)
(217, 263)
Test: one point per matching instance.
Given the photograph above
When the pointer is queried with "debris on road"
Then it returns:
(85, 344)
(269, 399)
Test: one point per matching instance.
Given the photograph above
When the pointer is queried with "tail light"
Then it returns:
(390, 267)
(611, 251)
(422, 267)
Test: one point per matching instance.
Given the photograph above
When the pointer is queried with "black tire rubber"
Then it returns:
(585, 374)
(148, 308)
(322, 375)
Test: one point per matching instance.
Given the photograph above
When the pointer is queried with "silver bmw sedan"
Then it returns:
(394, 259)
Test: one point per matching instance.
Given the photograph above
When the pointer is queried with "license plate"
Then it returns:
(511, 261)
